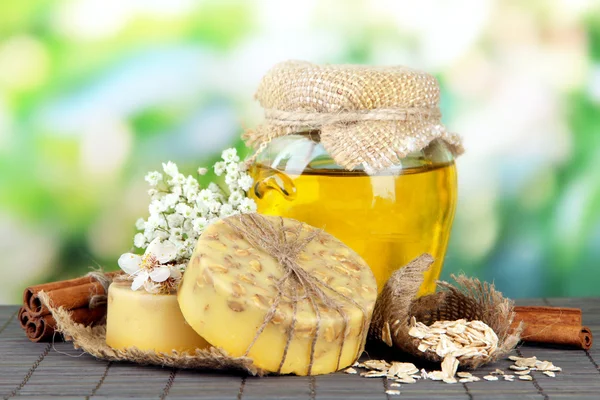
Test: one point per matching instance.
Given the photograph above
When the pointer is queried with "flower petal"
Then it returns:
(175, 272)
(130, 263)
(139, 280)
(160, 274)
(164, 252)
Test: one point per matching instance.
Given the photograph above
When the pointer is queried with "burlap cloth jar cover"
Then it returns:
(369, 116)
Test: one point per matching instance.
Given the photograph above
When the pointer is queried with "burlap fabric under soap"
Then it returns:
(369, 116)
(92, 340)
(296, 286)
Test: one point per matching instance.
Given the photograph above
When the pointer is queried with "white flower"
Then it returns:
(177, 180)
(150, 266)
(226, 210)
(184, 210)
(205, 196)
(156, 221)
(171, 169)
(170, 200)
(219, 168)
(153, 178)
(176, 271)
(214, 207)
(199, 224)
(153, 193)
(191, 197)
(233, 169)
(140, 224)
(183, 251)
(176, 234)
(232, 181)
(235, 197)
(149, 234)
(202, 171)
(213, 187)
(187, 227)
(245, 182)
(139, 240)
(161, 234)
(247, 206)
(156, 207)
(230, 155)
(190, 189)
(175, 220)
(176, 190)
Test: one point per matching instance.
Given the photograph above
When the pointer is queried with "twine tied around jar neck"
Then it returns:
(369, 116)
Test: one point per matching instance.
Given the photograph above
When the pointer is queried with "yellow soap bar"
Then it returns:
(148, 321)
(230, 289)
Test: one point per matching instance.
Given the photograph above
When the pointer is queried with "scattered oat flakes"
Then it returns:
(405, 379)
(521, 373)
(395, 384)
(373, 374)
(550, 374)
(526, 377)
(498, 372)
(351, 371)
(392, 392)
(526, 362)
(515, 368)
(449, 366)
(400, 368)
(436, 375)
(464, 374)
(490, 378)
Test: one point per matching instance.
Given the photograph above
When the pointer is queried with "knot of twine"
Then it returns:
(97, 299)
(296, 284)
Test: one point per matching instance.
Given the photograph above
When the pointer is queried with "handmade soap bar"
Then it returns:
(291, 297)
(147, 321)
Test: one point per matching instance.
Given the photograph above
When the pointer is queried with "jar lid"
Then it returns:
(366, 115)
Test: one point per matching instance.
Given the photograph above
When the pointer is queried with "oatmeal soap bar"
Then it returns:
(148, 321)
(292, 298)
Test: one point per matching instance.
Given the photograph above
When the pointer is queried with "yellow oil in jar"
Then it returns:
(387, 219)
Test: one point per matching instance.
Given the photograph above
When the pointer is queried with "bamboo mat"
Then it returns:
(57, 371)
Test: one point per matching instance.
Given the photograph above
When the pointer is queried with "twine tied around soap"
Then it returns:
(369, 116)
(470, 300)
(296, 284)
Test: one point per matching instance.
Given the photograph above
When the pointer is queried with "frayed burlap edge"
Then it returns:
(471, 299)
(92, 340)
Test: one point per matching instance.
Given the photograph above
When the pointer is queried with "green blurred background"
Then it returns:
(94, 93)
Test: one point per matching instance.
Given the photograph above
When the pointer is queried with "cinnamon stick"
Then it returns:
(70, 294)
(553, 325)
(73, 295)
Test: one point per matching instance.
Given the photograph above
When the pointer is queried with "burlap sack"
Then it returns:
(369, 116)
(471, 300)
(92, 340)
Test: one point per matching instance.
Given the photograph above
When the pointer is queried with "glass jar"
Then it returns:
(388, 217)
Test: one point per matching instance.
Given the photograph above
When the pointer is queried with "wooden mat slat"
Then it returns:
(65, 374)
